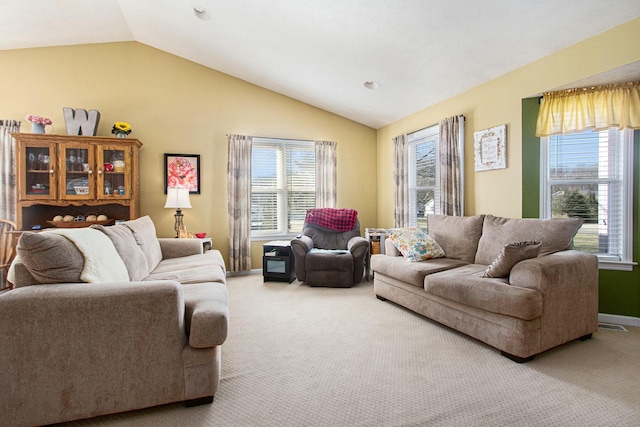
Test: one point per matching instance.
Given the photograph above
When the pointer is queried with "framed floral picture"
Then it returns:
(182, 170)
(490, 148)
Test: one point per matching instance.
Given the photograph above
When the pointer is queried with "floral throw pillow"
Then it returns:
(512, 253)
(415, 244)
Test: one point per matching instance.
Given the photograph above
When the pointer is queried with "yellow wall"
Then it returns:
(177, 106)
(497, 102)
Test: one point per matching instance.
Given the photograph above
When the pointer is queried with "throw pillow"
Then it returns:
(416, 245)
(144, 231)
(128, 249)
(50, 258)
(512, 253)
(555, 234)
(457, 235)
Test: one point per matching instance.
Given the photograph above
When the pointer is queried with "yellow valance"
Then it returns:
(598, 108)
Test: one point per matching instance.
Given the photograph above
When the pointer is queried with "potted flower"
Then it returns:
(37, 122)
(121, 129)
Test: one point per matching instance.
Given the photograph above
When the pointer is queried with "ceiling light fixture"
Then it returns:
(372, 84)
(201, 13)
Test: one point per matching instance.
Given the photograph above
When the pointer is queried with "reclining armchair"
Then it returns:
(330, 251)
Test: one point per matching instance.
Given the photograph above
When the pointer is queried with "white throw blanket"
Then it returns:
(102, 263)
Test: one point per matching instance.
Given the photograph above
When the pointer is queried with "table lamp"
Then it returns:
(178, 198)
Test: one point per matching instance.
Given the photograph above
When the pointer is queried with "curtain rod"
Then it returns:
(598, 88)
(272, 137)
(418, 130)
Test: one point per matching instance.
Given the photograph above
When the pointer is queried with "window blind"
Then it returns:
(266, 183)
(587, 176)
(282, 185)
(423, 175)
(301, 182)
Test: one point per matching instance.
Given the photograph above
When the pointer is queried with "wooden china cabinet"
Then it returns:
(77, 176)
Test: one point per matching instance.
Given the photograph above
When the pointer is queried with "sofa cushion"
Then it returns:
(129, 250)
(555, 235)
(328, 260)
(46, 255)
(457, 235)
(144, 231)
(50, 258)
(199, 268)
(415, 244)
(512, 254)
(465, 285)
(412, 273)
(328, 251)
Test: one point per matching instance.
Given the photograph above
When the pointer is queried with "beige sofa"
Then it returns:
(146, 330)
(542, 302)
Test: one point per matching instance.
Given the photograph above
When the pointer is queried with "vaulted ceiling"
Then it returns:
(418, 52)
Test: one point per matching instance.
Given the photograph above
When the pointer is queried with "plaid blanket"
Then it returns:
(332, 218)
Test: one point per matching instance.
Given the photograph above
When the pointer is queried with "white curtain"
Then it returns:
(239, 197)
(400, 181)
(326, 174)
(8, 194)
(451, 179)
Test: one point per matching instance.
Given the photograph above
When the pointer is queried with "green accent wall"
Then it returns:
(530, 159)
(619, 291)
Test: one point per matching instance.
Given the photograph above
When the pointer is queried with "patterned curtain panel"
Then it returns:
(451, 195)
(400, 181)
(8, 194)
(326, 174)
(600, 107)
(239, 193)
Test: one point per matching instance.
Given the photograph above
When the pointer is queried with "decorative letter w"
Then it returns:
(78, 123)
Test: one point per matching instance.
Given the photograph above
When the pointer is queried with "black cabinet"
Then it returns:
(278, 262)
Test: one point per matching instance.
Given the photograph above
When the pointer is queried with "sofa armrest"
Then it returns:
(358, 246)
(568, 282)
(175, 248)
(301, 246)
(206, 314)
(571, 270)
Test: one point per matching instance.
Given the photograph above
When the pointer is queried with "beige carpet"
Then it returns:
(300, 356)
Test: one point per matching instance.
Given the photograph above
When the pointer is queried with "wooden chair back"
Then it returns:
(7, 249)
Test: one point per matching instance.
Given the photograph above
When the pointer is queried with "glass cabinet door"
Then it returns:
(76, 172)
(39, 178)
(114, 172)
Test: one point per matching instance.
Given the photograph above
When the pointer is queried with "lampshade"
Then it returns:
(177, 198)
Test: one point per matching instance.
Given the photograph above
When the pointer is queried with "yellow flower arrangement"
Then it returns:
(122, 128)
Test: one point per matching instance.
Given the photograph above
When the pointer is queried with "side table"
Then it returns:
(376, 237)
(278, 261)
(207, 243)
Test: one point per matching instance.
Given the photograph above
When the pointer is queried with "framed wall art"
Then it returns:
(182, 170)
(490, 148)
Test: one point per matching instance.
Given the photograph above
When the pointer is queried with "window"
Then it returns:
(424, 172)
(589, 175)
(282, 186)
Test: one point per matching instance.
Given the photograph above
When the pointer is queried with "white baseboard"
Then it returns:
(619, 319)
